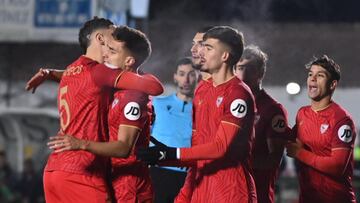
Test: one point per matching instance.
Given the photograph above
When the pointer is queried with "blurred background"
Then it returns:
(43, 33)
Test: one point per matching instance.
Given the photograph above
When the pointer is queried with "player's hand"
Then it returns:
(37, 79)
(293, 148)
(62, 143)
(159, 152)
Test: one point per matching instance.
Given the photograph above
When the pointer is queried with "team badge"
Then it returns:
(278, 123)
(132, 111)
(323, 128)
(238, 108)
(219, 100)
(345, 133)
(257, 118)
(114, 103)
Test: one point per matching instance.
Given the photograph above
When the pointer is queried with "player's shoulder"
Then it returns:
(132, 95)
(204, 84)
(237, 87)
(271, 104)
(339, 113)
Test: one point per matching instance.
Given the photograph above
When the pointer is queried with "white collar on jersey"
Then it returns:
(111, 66)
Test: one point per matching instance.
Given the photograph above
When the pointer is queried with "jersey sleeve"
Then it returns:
(146, 83)
(343, 134)
(239, 108)
(278, 126)
(105, 76)
(134, 110)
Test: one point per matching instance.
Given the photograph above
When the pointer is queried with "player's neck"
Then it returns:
(94, 54)
(321, 104)
(256, 89)
(222, 75)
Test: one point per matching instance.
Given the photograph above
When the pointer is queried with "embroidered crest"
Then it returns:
(257, 118)
(219, 100)
(323, 128)
(114, 103)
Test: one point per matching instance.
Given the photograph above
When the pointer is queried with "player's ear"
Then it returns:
(333, 85)
(225, 56)
(100, 37)
(129, 62)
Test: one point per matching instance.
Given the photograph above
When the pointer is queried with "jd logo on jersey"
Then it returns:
(278, 123)
(132, 111)
(238, 108)
(345, 133)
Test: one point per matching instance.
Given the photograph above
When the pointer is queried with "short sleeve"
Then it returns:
(343, 134)
(134, 109)
(238, 107)
(278, 126)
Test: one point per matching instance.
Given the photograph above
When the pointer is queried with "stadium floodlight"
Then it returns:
(292, 88)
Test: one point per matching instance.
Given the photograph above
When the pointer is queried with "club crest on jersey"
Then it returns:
(323, 128)
(257, 118)
(278, 123)
(238, 108)
(114, 103)
(345, 133)
(219, 100)
(132, 111)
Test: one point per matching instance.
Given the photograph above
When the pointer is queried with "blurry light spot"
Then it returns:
(292, 88)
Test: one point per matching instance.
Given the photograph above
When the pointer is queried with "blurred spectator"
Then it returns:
(7, 180)
(29, 177)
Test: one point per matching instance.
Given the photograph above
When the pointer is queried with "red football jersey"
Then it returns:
(321, 132)
(130, 178)
(226, 179)
(271, 122)
(83, 100)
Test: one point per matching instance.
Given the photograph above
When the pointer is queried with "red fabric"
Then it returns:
(60, 186)
(334, 164)
(225, 179)
(120, 115)
(323, 177)
(83, 105)
(130, 178)
(271, 122)
(213, 150)
(146, 83)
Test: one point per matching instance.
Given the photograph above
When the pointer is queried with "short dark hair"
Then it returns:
(256, 57)
(89, 27)
(231, 37)
(184, 61)
(328, 64)
(204, 29)
(135, 41)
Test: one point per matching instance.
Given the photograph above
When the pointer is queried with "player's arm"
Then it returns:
(119, 79)
(341, 151)
(276, 150)
(225, 139)
(147, 83)
(334, 164)
(277, 134)
(127, 136)
(42, 75)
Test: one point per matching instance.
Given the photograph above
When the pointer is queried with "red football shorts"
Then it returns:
(60, 186)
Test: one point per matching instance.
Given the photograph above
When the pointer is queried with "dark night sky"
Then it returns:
(259, 10)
